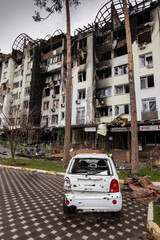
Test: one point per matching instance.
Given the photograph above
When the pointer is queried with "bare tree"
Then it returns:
(14, 130)
(134, 128)
(56, 6)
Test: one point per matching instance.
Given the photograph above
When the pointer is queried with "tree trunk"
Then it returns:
(134, 128)
(67, 139)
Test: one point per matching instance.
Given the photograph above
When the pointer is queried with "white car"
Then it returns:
(91, 184)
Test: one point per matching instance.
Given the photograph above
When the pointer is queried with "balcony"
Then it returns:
(149, 115)
(80, 120)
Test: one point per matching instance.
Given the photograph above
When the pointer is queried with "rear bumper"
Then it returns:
(95, 202)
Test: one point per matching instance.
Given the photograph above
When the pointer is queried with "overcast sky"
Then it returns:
(16, 18)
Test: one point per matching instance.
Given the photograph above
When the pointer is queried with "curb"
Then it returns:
(33, 170)
(152, 227)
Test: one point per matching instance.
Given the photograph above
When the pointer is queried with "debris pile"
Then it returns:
(143, 190)
(120, 121)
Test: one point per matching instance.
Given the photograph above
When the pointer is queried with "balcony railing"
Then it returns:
(80, 120)
(149, 115)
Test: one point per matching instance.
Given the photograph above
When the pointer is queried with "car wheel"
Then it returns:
(117, 214)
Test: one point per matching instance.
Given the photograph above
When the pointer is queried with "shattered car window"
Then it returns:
(91, 166)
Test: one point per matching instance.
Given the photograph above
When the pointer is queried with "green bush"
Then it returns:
(156, 213)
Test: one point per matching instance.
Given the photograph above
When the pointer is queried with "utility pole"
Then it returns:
(134, 128)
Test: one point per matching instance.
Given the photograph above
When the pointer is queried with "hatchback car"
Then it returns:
(91, 184)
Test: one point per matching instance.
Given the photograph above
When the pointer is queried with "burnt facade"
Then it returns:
(36, 80)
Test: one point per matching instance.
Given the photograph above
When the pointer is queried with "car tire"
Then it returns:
(117, 214)
(66, 209)
(69, 212)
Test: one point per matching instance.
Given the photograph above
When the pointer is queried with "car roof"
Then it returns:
(92, 155)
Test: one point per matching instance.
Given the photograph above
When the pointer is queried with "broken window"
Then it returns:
(119, 34)
(105, 56)
(82, 43)
(31, 52)
(80, 119)
(83, 57)
(120, 51)
(5, 75)
(149, 105)
(147, 82)
(47, 92)
(104, 111)
(104, 92)
(4, 86)
(104, 40)
(121, 89)
(120, 70)
(63, 115)
(45, 121)
(57, 90)
(57, 45)
(122, 109)
(54, 119)
(146, 60)
(27, 91)
(46, 106)
(16, 85)
(143, 18)
(6, 64)
(106, 73)
(81, 94)
(82, 77)
(25, 104)
(144, 37)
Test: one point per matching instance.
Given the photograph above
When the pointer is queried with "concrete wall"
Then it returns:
(154, 48)
(87, 103)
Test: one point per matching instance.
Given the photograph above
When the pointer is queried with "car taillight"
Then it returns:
(114, 186)
(67, 202)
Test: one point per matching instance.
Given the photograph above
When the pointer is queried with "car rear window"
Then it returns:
(91, 166)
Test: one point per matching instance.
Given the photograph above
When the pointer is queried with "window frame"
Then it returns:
(146, 82)
(81, 94)
(121, 70)
(148, 101)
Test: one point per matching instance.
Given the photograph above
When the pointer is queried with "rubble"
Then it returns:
(144, 191)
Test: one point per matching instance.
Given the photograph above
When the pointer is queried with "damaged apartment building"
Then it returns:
(33, 80)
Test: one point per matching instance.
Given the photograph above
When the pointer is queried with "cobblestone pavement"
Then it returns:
(31, 208)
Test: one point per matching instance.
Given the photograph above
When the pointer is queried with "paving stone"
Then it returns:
(31, 209)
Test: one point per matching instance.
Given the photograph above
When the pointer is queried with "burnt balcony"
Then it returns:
(103, 48)
(150, 115)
